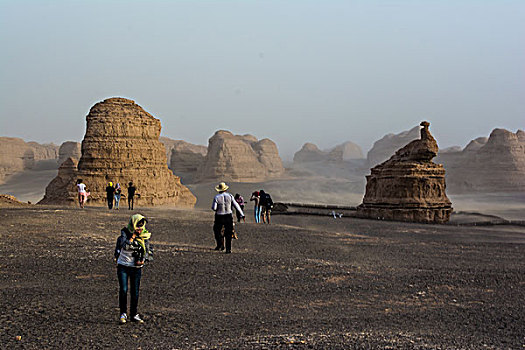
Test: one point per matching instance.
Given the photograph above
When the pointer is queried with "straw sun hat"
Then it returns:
(221, 187)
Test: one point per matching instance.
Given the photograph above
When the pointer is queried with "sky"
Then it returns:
(323, 71)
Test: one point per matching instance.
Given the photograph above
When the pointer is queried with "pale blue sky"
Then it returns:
(293, 71)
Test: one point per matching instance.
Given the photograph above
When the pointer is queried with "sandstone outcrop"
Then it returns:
(309, 153)
(8, 201)
(408, 186)
(494, 164)
(62, 189)
(184, 158)
(384, 148)
(69, 149)
(343, 152)
(17, 155)
(476, 144)
(240, 159)
(121, 144)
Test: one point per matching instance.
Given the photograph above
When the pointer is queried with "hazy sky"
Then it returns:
(293, 71)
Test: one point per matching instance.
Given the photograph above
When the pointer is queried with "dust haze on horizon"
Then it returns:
(291, 71)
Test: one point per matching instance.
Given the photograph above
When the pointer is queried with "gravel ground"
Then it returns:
(300, 283)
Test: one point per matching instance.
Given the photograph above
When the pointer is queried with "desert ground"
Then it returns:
(301, 282)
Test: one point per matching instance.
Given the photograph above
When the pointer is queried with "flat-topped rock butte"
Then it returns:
(121, 144)
(239, 158)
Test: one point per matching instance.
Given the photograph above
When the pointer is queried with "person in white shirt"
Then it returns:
(222, 206)
(82, 193)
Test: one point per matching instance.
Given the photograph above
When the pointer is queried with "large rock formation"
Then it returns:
(69, 149)
(384, 148)
(17, 155)
(240, 159)
(121, 144)
(496, 164)
(408, 186)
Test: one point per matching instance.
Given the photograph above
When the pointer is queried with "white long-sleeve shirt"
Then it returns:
(222, 204)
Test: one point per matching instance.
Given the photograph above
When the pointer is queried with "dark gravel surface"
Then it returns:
(299, 283)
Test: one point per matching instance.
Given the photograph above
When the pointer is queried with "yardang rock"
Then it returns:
(408, 186)
(239, 158)
(121, 144)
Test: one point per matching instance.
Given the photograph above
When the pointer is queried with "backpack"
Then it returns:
(268, 201)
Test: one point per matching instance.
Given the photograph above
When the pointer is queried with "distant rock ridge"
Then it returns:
(493, 164)
(239, 158)
(343, 152)
(8, 201)
(69, 149)
(17, 155)
(408, 186)
(184, 158)
(384, 148)
(121, 144)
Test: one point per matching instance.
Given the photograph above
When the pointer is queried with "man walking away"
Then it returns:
(222, 206)
(131, 195)
(110, 192)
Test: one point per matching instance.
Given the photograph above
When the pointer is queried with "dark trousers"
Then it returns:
(133, 274)
(225, 221)
(130, 202)
(110, 202)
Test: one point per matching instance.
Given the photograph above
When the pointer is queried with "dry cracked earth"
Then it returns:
(300, 283)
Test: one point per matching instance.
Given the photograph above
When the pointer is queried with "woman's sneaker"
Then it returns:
(137, 319)
(123, 318)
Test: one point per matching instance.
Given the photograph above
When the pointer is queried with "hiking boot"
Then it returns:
(228, 252)
(219, 248)
(137, 319)
(123, 318)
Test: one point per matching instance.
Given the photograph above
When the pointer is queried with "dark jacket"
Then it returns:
(110, 191)
(266, 200)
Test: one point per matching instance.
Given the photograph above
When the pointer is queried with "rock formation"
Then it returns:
(476, 144)
(183, 157)
(8, 201)
(408, 186)
(186, 157)
(240, 159)
(384, 148)
(347, 151)
(69, 149)
(17, 155)
(311, 153)
(121, 144)
(62, 189)
(496, 164)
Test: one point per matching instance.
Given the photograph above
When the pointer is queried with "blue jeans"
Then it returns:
(117, 200)
(257, 213)
(133, 274)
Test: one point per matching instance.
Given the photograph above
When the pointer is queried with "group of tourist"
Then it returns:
(113, 194)
(262, 207)
(133, 248)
